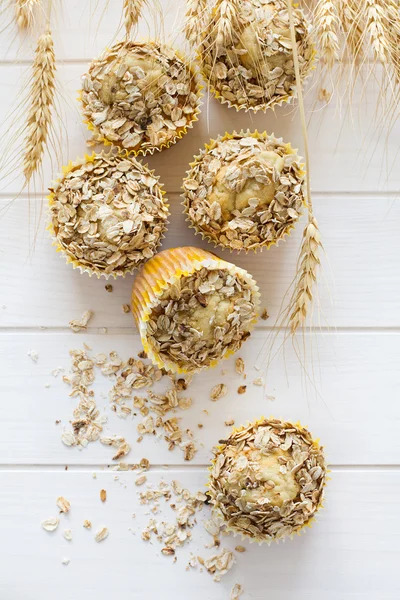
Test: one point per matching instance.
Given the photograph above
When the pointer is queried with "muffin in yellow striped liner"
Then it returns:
(107, 214)
(244, 190)
(246, 53)
(193, 308)
(267, 480)
(140, 96)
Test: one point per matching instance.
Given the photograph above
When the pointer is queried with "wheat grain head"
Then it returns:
(132, 12)
(327, 28)
(42, 100)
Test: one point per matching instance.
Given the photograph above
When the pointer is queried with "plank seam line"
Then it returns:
(319, 194)
(122, 331)
(108, 468)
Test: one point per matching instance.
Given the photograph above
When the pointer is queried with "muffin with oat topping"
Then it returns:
(246, 53)
(140, 96)
(192, 308)
(267, 480)
(107, 214)
(244, 191)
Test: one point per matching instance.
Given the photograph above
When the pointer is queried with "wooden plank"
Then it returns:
(348, 152)
(357, 277)
(355, 415)
(351, 553)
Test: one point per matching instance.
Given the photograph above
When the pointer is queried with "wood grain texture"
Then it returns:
(350, 553)
(356, 374)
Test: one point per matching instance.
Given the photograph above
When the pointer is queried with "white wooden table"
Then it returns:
(353, 550)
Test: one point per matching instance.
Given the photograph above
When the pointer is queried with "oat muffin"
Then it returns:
(246, 53)
(244, 191)
(107, 214)
(192, 308)
(140, 96)
(267, 480)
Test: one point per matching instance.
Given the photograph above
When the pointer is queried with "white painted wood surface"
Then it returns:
(352, 552)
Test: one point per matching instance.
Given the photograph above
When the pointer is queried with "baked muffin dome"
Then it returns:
(246, 55)
(140, 96)
(267, 480)
(244, 191)
(107, 214)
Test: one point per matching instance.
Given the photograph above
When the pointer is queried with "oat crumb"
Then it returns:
(82, 323)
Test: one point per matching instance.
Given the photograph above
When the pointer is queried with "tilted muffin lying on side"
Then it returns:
(192, 308)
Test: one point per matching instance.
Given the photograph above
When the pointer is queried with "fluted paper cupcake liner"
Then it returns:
(199, 158)
(180, 133)
(217, 514)
(69, 258)
(164, 270)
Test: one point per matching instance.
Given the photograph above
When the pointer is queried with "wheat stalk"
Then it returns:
(225, 16)
(327, 26)
(42, 99)
(24, 12)
(194, 20)
(306, 274)
(132, 12)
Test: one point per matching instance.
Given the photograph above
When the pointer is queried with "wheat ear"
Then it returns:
(132, 12)
(352, 14)
(306, 274)
(225, 16)
(42, 100)
(375, 27)
(327, 27)
(194, 20)
(24, 12)
(389, 12)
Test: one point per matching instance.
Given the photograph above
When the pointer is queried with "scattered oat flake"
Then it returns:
(236, 591)
(109, 287)
(50, 524)
(264, 315)
(259, 381)
(240, 549)
(103, 495)
(230, 422)
(141, 480)
(242, 389)
(33, 355)
(57, 371)
(219, 564)
(66, 561)
(101, 534)
(81, 324)
(126, 308)
(239, 366)
(87, 524)
(324, 95)
(218, 391)
(68, 438)
(67, 534)
(63, 504)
